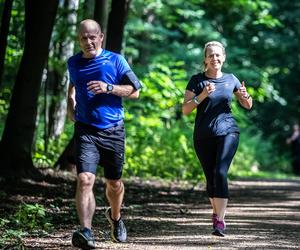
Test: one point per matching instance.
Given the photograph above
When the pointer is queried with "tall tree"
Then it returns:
(17, 139)
(116, 23)
(101, 14)
(57, 79)
(4, 33)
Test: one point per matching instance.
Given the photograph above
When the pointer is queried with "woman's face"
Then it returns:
(214, 58)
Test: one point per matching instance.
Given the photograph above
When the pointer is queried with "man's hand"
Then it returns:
(97, 87)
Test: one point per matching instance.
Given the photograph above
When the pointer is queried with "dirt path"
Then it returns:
(261, 215)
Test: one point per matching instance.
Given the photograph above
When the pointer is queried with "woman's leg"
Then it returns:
(227, 147)
(206, 151)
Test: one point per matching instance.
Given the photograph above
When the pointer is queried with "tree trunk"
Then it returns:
(18, 134)
(101, 15)
(116, 23)
(4, 33)
(66, 160)
(57, 79)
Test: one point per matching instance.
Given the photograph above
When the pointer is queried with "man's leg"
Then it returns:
(115, 193)
(85, 204)
(85, 200)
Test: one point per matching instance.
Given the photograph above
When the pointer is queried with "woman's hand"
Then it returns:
(209, 88)
(243, 91)
(244, 98)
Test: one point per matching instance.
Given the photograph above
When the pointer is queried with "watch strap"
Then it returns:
(195, 100)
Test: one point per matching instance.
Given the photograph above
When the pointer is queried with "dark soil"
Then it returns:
(262, 214)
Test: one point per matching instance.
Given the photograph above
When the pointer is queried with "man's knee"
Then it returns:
(115, 186)
(85, 181)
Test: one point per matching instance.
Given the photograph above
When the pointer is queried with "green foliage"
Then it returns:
(11, 237)
(5, 94)
(170, 29)
(257, 155)
(162, 152)
(46, 156)
(164, 41)
(159, 141)
(29, 218)
(15, 43)
(4, 101)
(32, 216)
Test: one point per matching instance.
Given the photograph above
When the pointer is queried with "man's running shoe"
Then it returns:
(214, 219)
(84, 239)
(219, 229)
(118, 229)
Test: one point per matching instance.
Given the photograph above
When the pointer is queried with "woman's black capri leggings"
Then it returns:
(215, 155)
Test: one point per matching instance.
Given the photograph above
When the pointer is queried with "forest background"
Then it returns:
(162, 40)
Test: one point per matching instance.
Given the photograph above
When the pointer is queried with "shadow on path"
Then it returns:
(262, 214)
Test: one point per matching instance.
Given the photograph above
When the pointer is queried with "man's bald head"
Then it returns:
(89, 25)
(90, 38)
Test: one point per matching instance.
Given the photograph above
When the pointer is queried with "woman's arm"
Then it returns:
(244, 100)
(243, 97)
(188, 103)
(191, 101)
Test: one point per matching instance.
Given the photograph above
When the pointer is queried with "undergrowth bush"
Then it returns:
(27, 219)
(161, 152)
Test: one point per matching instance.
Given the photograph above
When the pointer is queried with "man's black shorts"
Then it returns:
(105, 147)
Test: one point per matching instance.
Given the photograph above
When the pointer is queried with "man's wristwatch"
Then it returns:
(109, 88)
(195, 100)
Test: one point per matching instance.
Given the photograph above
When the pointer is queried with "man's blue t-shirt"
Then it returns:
(99, 110)
(214, 117)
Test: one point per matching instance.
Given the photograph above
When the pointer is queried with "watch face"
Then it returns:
(110, 87)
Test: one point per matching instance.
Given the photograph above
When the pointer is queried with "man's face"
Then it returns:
(90, 41)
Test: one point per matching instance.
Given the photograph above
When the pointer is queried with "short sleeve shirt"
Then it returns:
(101, 110)
(214, 117)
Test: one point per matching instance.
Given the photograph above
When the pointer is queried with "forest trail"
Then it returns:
(262, 214)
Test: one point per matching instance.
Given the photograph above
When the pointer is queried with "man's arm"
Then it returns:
(125, 91)
(130, 79)
(98, 87)
(128, 87)
(71, 102)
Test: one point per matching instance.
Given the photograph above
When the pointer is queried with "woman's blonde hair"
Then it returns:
(210, 44)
